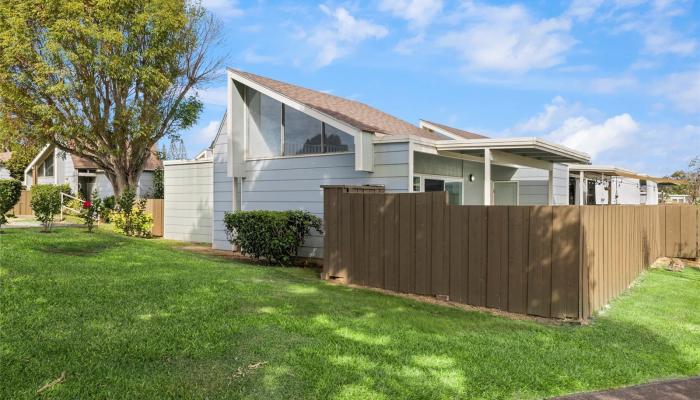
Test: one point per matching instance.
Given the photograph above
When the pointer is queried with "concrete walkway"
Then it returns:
(677, 389)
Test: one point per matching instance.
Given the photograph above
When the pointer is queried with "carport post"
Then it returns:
(550, 186)
(487, 177)
(581, 186)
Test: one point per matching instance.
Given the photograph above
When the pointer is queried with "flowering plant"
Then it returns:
(91, 211)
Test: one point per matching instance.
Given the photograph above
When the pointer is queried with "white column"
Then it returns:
(487, 177)
(550, 186)
(581, 187)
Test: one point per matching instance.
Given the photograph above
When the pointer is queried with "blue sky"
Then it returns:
(619, 79)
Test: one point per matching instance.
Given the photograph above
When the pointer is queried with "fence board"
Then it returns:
(155, 208)
(497, 258)
(561, 262)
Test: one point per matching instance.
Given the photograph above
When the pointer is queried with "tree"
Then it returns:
(692, 177)
(105, 80)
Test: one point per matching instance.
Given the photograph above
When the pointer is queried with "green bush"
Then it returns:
(108, 205)
(272, 235)
(46, 203)
(130, 217)
(10, 192)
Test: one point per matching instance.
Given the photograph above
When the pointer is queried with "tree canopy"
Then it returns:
(105, 80)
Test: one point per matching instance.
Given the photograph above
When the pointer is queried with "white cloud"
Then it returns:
(206, 134)
(419, 13)
(342, 35)
(212, 96)
(582, 134)
(583, 9)
(508, 38)
(554, 114)
(223, 8)
(682, 89)
(663, 40)
(611, 85)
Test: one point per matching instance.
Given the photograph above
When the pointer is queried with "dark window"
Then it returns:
(302, 133)
(336, 141)
(590, 196)
(434, 185)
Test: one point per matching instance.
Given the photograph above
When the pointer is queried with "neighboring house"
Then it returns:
(678, 199)
(4, 157)
(605, 184)
(279, 143)
(54, 166)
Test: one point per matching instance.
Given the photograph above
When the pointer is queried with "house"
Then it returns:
(54, 166)
(278, 143)
(606, 184)
(4, 157)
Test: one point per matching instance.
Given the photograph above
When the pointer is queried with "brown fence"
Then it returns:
(155, 208)
(561, 262)
(23, 206)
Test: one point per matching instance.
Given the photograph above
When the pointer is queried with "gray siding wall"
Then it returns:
(624, 191)
(188, 202)
(222, 192)
(4, 173)
(295, 183)
(534, 185)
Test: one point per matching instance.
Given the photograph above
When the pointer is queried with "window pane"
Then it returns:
(337, 141)
(264, 124)
(48, 167)
(434, 185)
(454, 192)
(416, 183)
(302, 134)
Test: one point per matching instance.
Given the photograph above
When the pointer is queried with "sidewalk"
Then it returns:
(677, 389)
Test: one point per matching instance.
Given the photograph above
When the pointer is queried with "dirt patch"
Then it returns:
(675, 264)
(237, 256)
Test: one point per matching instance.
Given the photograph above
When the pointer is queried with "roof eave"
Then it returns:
(572, 156)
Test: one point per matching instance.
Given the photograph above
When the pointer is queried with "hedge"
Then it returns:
(10, 192)
(271, 235)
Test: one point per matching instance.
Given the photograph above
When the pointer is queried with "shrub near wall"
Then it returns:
(10, 192)
(272, 235)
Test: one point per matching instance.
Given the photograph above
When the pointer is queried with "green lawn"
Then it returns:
(130, 318)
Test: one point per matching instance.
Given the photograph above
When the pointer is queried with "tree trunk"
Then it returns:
(121, 180)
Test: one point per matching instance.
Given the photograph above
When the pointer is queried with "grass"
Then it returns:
(130, 318)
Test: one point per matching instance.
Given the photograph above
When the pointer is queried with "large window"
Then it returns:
(302, 134)
(46, 168)
(264, 125)
(270, 123)
(452, 186)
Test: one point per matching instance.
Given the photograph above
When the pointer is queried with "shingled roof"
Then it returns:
(152, 163)
(353, 113)
(458, 132)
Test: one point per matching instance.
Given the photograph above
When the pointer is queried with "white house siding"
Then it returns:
(188, 201)
(534, 186)
(295, 183)
(624, 191)
(652, 196)
(222, 192)
(4, 173)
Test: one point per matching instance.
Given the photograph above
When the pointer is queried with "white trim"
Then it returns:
(611, 170)
(487, 177)
(513, 143)
(36, 159)
(337, 153)
(517, 190)
(184, 162)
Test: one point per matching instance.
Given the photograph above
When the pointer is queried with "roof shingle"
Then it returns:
(458, 132)
(354, 113)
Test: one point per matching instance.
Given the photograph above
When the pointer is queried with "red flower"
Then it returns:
(87, 204)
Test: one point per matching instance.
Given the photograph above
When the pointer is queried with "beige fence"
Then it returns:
(561, 262)
(23, 206)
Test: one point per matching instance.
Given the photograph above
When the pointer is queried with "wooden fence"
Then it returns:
(155, 208)
(550, 261)
(23, 206)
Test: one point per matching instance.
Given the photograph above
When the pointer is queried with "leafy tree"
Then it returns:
(105, 80)
(21, 157)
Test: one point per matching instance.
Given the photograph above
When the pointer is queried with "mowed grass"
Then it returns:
(130, 318)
